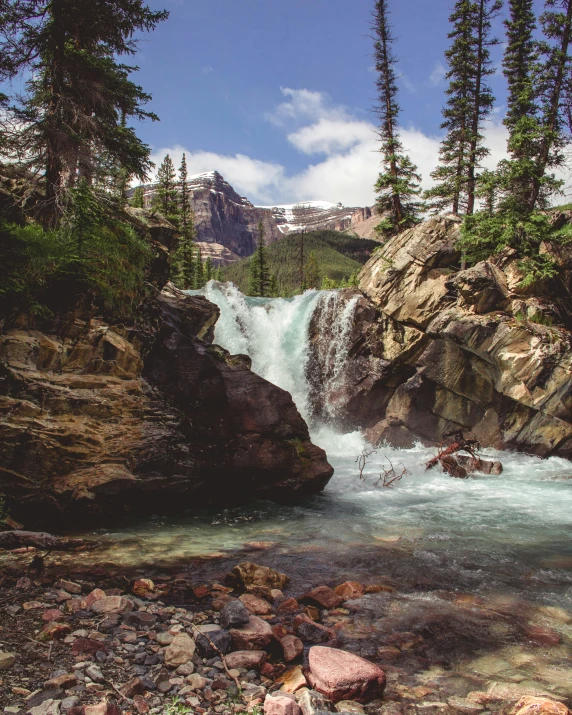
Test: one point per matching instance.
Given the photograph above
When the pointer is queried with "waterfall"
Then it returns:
(275, 334)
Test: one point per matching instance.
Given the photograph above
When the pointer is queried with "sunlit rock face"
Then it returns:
(434, 349)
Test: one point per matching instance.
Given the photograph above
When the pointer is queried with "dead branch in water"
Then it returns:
(361, 461)
(389, 476)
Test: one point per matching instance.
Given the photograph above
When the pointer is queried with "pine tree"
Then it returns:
(209, 269)
(166, 194)
(78, 93)
(199, 270)
(398, 183)
(184, 263)
(469, 102)
(259, 281)
(186, 217)
(312, 272)
(138, 198)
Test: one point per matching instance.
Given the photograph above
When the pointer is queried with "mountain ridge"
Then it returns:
(227, 223)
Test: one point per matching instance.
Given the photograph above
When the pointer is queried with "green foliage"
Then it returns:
(73, 114)
(312, 272)
(260, 279)
(338, 256)
(91, 254)
(166, 199)
(177, 706)
(138, 200)
(469, 102)
(397, 186)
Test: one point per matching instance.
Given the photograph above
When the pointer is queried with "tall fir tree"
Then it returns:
(259, 279)
(166, 198)
(138, 198)
(397, 186)
(199, 270)
(312, 272)
(72, 118)
(469, 103)
(184, 258)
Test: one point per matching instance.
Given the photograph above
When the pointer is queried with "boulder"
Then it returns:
(349, 590)
(210, 642)
(530, 705)
(7, 660)
(234, 614)
(280, 705)
(121, 441)
(292, 647)
(181, 650)
(257, 606)
(247, 659)
(249, 576)
(434, 350)
(340, 675)
(255, 635)
(322, 596)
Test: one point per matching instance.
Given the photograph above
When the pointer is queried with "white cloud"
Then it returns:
(250, 177)
(303, 105)
(438, 74)
(345, 150)
(331, 136)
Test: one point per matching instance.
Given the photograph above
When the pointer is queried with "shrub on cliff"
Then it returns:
(94, 255)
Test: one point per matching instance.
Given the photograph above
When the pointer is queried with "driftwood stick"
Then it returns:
(223, 659)
(16, 539)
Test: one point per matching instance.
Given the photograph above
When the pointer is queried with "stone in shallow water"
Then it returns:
(340, 675)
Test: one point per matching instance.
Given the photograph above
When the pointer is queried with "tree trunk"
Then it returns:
(554, 106)
(471, 182)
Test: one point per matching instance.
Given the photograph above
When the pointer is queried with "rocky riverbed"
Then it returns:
(250, 642)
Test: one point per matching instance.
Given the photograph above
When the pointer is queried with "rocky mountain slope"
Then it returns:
(227, 224)
(435, 349)
(318, 216)
(99, 420)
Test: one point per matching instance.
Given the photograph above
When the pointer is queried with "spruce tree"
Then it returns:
(184, 258)
(259, 279)
(138, 198)
(312, 272)
(199, 270)
(397, 186)
(469, 102)
(78, 93)
(166, 194)
(209, 269)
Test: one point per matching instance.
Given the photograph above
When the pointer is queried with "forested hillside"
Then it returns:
(306, 260)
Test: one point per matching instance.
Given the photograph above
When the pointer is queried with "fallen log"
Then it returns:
(16, 539)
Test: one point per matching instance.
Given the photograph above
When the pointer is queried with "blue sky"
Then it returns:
(277, 94)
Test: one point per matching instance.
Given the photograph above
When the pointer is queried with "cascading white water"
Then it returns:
(509, 532)
(504, 539)
(274, 333)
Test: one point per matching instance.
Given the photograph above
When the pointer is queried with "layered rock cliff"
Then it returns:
(99, 420)
(227, 223)
(320, 215)
(435, 349)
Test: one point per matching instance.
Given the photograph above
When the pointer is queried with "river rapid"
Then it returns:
(476, 573)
